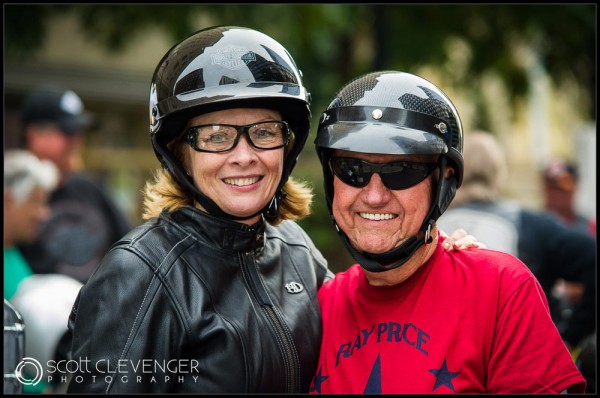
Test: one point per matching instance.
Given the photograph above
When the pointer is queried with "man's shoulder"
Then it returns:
(344, 278)
(490, 263)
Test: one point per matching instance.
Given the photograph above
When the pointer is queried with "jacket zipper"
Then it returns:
(284, 339)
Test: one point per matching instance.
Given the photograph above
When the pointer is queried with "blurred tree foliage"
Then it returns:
(333, 43)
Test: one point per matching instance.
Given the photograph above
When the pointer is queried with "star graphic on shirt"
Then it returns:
(374, 383)
(443, 377)
(317, 381)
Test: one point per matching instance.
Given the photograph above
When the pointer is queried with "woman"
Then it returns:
(202, 283)
(217, 291)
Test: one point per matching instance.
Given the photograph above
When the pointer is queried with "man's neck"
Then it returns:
(398, 275)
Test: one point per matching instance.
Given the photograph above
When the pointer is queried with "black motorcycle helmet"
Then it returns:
(220, 68)
(393, 113)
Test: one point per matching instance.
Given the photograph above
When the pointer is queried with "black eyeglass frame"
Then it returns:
(191, 132)
(391, 179)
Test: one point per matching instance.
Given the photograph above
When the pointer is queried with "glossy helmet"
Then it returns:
(398, 113)
(220, 68)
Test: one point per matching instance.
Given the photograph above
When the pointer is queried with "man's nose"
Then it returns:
(376, 193)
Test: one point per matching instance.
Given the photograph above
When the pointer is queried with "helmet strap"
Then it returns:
(446, 189)
(271, 211)
(397, 256)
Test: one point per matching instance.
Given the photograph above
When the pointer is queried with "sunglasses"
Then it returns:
(395, 175)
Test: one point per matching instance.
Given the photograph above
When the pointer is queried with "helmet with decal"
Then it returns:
(221, 68)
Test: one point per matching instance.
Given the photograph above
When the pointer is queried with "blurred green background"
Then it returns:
(525, 73)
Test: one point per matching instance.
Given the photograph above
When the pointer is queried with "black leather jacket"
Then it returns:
(187, 302)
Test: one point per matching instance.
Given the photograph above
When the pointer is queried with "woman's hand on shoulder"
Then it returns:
(460, 240)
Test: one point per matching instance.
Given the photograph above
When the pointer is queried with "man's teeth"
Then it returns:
(240, 182)
(376, 216)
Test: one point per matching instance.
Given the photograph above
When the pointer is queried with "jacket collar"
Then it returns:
(220, 232)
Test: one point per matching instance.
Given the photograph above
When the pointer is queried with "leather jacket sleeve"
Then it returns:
(129, 303)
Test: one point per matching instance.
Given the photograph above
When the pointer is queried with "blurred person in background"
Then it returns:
(84, 220)
(560, 179)
(28, 182)
(43, 301)
(554, 252)
(411, 317)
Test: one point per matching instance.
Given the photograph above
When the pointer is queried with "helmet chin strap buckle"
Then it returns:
(428, 237)
(272, 210)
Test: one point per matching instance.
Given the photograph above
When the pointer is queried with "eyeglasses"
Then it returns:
(223, 137)
(395, 175)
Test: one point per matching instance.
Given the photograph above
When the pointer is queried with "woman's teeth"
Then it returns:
(240, 182)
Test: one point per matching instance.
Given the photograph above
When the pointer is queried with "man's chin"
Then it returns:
(374, 248)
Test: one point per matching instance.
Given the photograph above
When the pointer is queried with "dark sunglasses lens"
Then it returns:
(405, 176)
(396, 175)
(350, 172)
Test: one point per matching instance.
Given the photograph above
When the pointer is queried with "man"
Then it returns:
(409, 317)
(84, 221)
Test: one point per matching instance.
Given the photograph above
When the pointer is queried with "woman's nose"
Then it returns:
(244, 152)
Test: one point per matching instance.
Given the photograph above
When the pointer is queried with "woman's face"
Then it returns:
(242, 180)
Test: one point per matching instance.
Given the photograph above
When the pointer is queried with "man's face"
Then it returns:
(375, 218)
(560, 193)
(47, 141)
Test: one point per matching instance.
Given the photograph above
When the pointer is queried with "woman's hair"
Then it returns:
(164, 192)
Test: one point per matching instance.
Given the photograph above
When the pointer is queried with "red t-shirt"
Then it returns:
(472, 321)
